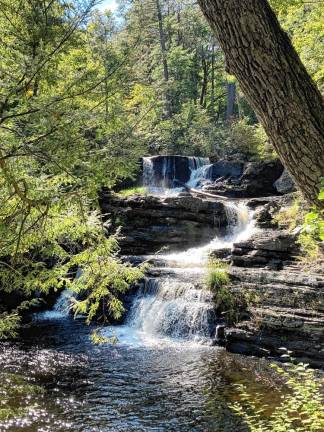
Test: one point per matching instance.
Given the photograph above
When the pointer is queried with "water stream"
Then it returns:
(162, 375)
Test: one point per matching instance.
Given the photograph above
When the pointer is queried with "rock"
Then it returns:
(150, 223)
(258, 178)
(225, 168)
(270, 247)
(285, 183)
(287, 310)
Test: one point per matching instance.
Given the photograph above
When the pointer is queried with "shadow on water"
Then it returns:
(65, 383)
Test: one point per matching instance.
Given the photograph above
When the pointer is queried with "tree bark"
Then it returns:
(275, 82)
(231, 92)
(204, 83)
(164, 58)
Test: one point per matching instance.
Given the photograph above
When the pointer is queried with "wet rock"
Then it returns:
(150, 223)
(225, 168)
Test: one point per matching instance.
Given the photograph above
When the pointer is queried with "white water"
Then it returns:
(199, 168)
(61, 308)
(176, 306)
(241, 227)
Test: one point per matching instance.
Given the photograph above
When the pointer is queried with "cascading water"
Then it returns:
(148, 172)
(198, 174)
(61, 308)
(161, 174)
(177, 303)
(175, 308)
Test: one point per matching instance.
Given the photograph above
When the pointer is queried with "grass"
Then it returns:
(217, 276)
(139, 190)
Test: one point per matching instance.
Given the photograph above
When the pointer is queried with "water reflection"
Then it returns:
(123, 388)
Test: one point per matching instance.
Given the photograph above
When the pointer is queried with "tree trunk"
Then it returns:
(204, 83)
(271, 75)
(212, 96)
(164, 58)
(162, 42)
(231, 92)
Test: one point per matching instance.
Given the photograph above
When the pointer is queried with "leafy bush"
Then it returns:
(231, 303)
(301, 408)
(249, 141)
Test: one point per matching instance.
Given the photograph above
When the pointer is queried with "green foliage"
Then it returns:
(133, 191)
(217, 276)
(61, 141)
(304, 23)
(98, 339)
(104, 277)
(248, 141)
(15, 395)
(301, 408)
(291, 216)
(313, 233)
(229, 302)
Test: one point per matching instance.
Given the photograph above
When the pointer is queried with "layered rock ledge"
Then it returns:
(150, 223)
(288, 312)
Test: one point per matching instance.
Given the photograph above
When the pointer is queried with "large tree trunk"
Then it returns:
(286, 100)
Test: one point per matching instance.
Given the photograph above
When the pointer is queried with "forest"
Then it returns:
(162, 189)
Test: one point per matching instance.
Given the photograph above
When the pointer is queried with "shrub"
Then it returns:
(301, 408)
(250, 141)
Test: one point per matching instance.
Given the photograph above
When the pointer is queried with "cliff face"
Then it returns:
(150, 223)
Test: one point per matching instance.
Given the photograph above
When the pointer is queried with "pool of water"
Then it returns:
(135, 385)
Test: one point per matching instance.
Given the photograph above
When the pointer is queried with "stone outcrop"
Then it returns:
(268, 247)
(225, 168)
(285, 183)
(288, 311)
(256, 180)
(150, 223)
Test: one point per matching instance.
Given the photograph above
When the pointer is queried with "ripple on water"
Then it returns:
(145, 387)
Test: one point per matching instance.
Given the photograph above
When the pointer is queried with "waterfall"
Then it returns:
(161, 173)
(200, 173)
(177, 303)
(170, 307)
(148, 172)
(61, 308)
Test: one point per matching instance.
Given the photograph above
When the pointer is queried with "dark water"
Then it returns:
(125, 387)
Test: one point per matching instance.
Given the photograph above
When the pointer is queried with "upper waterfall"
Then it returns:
(163, 174)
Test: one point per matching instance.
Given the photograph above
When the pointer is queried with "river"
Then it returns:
(162, 375)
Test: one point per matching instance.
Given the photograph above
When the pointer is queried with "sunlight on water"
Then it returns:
(241, 227)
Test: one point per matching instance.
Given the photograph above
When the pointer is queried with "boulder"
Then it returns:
(225, 168)
(285, 183)
(258, 178)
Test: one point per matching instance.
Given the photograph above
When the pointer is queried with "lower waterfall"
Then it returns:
(176, 302)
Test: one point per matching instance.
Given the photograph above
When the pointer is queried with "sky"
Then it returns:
(108, 4)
